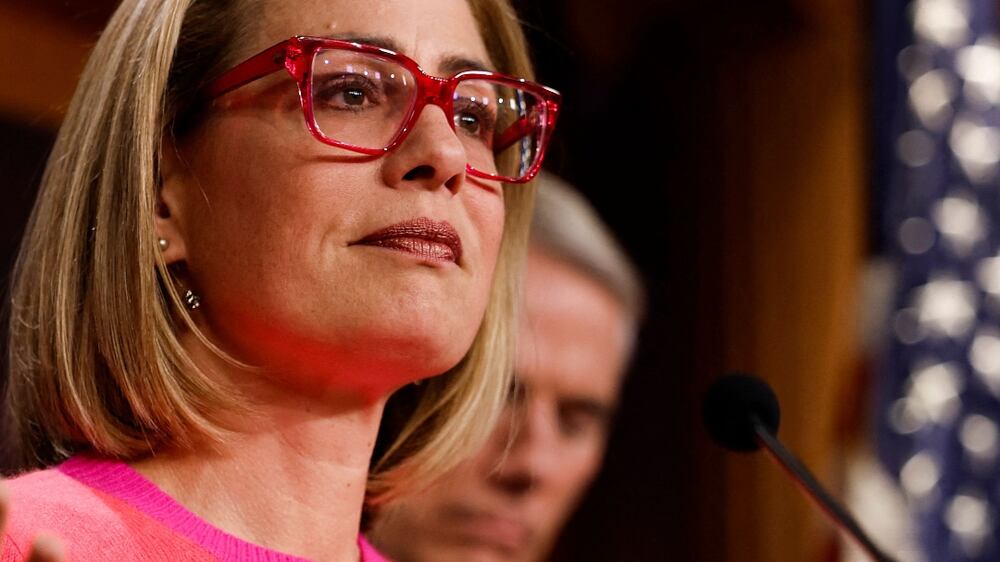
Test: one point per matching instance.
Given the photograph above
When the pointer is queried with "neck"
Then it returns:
(291, 477)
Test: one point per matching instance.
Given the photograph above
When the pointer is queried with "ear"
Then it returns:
(168, 219)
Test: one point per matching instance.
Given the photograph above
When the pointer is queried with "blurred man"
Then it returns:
(581, 305)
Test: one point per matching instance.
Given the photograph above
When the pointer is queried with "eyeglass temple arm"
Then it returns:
(522, 128)
(517, 131)
(254, 68)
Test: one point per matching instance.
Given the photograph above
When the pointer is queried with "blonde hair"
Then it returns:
(94, 354)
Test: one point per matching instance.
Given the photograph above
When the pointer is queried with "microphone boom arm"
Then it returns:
(798, 471)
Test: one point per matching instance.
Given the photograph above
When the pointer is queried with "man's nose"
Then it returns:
(530, 459)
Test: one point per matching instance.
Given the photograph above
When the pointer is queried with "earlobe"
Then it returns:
(169, 209)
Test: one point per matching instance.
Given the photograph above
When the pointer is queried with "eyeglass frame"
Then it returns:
(296, 55)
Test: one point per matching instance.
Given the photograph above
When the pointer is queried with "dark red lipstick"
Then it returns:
(428, 238)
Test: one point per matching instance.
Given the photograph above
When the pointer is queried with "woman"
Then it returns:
(213, 302)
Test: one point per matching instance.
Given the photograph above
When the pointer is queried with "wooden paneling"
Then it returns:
(795, 229)
(42, 60)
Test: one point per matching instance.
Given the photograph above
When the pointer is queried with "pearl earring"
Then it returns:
(164, 244)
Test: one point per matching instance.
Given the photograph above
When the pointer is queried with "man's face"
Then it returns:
(509, 502)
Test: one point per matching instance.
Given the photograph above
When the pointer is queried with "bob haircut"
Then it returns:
(94, 354)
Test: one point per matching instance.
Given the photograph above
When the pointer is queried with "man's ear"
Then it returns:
(169, 212)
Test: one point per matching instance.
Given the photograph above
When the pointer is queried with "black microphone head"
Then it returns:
(730, 405)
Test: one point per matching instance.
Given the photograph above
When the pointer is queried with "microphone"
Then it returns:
(742, 414)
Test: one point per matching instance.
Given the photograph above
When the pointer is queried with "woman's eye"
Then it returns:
(474, 118)
(582, 419)
(354, 97)
(572, 425)
(469, 122)
(349, 92)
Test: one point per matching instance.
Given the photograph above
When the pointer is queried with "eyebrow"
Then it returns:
(452, 64)
(591, 406)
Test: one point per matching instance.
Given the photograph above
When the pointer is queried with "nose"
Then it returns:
(530, 459)
(431, 156)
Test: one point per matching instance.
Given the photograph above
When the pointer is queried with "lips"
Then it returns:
(436, 240)
(510, 532)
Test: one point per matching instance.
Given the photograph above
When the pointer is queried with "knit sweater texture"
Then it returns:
(104, 510)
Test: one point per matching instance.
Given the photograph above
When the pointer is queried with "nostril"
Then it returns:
(420, 172)
(516, 484)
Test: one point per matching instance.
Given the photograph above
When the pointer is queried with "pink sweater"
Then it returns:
(105, 510)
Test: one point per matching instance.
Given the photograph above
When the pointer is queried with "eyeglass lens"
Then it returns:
(363, 100)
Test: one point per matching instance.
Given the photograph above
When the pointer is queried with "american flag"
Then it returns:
(939, 399)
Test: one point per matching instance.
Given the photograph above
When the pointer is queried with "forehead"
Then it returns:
(427, 31)
(573, 334)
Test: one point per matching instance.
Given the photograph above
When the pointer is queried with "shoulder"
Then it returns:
(91, 524)
(48, 499)
(52, 502)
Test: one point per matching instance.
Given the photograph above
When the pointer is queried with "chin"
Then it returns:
(484, 555)
(425, 353)
(428, 334)
(379, 340)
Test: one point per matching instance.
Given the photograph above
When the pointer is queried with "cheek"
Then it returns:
(581, 461)
(486, 213)
(265, 241)
(257, 227)
(252, 194)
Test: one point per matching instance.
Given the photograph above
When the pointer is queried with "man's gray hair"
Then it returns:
(566, 227)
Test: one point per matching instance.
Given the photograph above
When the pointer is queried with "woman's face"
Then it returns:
(268, 219)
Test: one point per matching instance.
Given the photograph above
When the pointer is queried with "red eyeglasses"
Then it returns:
(367, 99)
